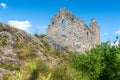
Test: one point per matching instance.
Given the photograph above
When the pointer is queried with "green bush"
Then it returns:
(40, 35)
(101, 63)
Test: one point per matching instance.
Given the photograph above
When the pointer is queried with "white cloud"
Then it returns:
(105, 33)
(115, 44)
(23, 25)
(117, 32)
(3, 5)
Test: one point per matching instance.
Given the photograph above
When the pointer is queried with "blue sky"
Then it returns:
(34, 15)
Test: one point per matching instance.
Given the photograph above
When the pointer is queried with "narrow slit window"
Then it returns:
(53, 23)
(72, 20)
(87, 34)
(63, 33)
(63, 22)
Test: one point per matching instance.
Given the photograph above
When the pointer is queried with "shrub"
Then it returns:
(101, 63)
(40, 35)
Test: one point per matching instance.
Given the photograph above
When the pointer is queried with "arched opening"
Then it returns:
(63, 22)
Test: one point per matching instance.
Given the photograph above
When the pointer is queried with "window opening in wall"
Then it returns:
(53, 23)
(63, 33)
(63, 22)
(87, 34)
(59, 17)
(72, 20)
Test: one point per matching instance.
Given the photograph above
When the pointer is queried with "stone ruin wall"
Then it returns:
(67, 31)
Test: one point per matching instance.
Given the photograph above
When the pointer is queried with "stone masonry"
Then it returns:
(68, 32)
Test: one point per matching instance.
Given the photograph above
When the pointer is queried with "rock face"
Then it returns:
(11, 35)
(67, 31)
(10, 40)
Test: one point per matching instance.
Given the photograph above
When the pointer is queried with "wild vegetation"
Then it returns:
(100, 63)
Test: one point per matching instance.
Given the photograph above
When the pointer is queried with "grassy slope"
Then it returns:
(101, 63)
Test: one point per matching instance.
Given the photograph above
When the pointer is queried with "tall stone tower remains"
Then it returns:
(67, 31)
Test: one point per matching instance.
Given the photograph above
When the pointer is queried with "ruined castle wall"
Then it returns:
(65, 30)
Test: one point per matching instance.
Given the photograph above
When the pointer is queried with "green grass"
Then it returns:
(10, 67)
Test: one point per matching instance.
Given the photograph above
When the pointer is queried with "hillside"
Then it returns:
(18, 48)
(28, 57)
(12, 43)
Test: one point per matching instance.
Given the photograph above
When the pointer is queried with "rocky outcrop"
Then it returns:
(8, 57)
(10, 38)
(26, 38)
(12, 34)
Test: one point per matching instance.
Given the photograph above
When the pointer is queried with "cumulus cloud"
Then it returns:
(23, 25)
(3, 5)
(115, 44)
(117, 32)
